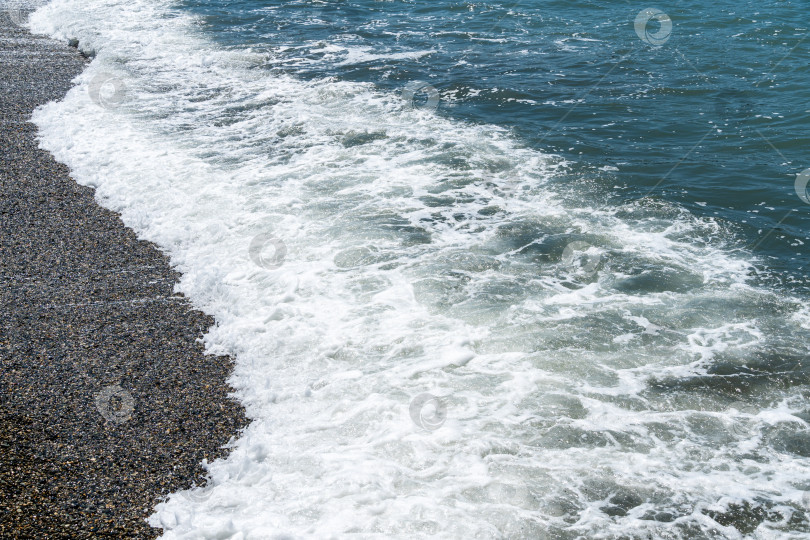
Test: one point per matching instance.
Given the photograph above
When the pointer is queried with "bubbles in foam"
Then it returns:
(431, 258)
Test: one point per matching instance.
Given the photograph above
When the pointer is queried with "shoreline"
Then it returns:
(107, 400)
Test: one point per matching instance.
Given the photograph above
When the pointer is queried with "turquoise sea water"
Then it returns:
(487, 270)
(713, 115)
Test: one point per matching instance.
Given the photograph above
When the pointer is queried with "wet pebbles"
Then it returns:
(107, 401)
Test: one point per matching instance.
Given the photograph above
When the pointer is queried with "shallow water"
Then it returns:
(488, 270)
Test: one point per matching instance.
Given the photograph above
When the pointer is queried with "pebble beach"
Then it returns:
(107, 399)
(510, 269)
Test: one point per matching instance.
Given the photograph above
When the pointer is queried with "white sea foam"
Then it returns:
(424, 255)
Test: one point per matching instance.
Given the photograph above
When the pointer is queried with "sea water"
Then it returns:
(531, 269)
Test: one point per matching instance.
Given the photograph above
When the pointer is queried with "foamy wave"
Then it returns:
(558, 339)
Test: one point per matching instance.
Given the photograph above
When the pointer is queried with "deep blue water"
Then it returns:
(608, 365)
(714, 117)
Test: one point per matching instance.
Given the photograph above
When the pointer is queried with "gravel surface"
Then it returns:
(107, 401)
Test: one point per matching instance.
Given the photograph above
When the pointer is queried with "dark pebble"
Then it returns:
(87, 306)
